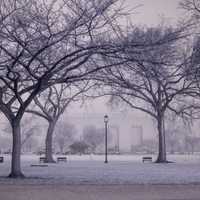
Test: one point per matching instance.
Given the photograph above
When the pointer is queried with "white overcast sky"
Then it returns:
(151, 11)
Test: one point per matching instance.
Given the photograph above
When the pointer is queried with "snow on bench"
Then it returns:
(42, 159)
(147, 158)
(61, 159)
(39, 165)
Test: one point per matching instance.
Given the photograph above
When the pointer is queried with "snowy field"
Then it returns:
(121, 169)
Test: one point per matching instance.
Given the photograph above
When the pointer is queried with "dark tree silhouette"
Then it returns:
(50, 105)
(47, 42)
(152, 82)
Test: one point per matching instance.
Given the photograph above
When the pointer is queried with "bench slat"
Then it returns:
(61, 159)
(146, 158)
(36, 165)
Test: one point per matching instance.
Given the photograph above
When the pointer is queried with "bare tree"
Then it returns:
(191, 6)
(50, 105)
(192, 68)
(153, 81)
(69, 32)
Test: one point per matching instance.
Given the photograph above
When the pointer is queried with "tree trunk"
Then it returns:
(172, 150)
(62, 148)
(16, 152)
(49, 143)
(162, 158)
(192, 148)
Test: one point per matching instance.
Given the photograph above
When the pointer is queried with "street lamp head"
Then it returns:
(106, 118)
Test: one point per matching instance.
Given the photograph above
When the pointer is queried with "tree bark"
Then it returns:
(16, 152)
(49, 143)
(61, 148)
(162, 158)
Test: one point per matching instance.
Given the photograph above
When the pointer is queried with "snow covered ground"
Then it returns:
(121, 169)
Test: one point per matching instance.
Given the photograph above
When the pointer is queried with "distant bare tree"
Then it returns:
(28, 129)
(50, 105)
(93, 137)
(175, 132)
(64, 135)
(47, 42)
(79, 147)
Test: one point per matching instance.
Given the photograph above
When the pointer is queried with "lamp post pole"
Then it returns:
(106, 138)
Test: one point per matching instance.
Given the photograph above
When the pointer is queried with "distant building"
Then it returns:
(127, 129)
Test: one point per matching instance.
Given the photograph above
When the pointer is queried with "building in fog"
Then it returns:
(127, 129)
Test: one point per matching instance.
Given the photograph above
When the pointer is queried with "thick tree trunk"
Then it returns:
(49, 143)
(162, 158)
(16, 152)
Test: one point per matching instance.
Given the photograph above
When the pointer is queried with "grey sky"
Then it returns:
(151, 11)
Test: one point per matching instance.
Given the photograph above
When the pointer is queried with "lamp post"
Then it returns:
(106, 138)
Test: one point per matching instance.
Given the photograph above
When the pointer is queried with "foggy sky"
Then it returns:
(151, 11)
